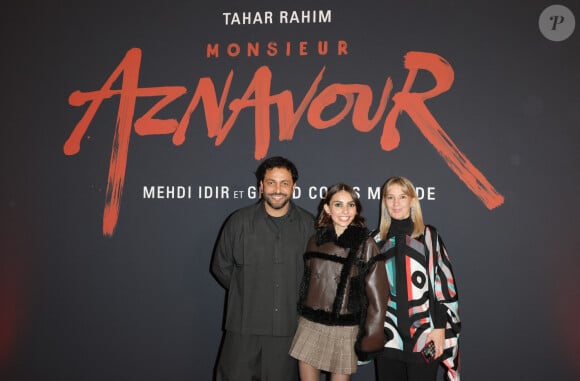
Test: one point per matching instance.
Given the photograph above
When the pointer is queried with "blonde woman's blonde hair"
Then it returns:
(416, 215)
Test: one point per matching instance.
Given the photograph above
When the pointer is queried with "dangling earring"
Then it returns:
(412, 213)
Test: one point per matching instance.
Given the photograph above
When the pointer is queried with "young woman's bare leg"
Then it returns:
(339, 377)
(308, 372)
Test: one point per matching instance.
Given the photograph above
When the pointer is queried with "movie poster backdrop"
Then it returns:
(132, 129)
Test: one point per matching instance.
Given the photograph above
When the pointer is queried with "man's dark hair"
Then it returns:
(276, 162)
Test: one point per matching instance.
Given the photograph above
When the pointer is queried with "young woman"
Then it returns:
(422, 308)
(343, 293)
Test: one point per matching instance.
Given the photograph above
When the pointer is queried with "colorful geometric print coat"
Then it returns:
(429, 261)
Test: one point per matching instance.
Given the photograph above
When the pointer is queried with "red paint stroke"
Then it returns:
(146, 125)
(358, 101)
(414, 105)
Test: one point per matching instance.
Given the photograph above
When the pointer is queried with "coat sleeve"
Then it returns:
(223, 261)
(444, 286)
(372, 336)
(446, 299)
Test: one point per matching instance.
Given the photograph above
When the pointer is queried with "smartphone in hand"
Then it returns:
(428, 352)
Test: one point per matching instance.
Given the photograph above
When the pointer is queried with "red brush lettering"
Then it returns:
(358, 99)
(361, 104)
(214, 110)
(414, 105)
(129, 92)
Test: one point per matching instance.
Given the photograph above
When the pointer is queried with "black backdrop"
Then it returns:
(139, 303)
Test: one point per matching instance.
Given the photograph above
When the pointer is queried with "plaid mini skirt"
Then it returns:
(325, 347)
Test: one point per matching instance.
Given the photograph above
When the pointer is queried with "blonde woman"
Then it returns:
(422, 311)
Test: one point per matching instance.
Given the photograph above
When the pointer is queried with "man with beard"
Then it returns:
(258, 259)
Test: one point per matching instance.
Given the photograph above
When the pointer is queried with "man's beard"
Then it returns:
(279, 205)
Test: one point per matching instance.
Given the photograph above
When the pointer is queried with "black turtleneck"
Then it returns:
(400, 227)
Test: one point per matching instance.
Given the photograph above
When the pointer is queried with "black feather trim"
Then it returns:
(351, 238)
(328, 257)
(329, 318)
